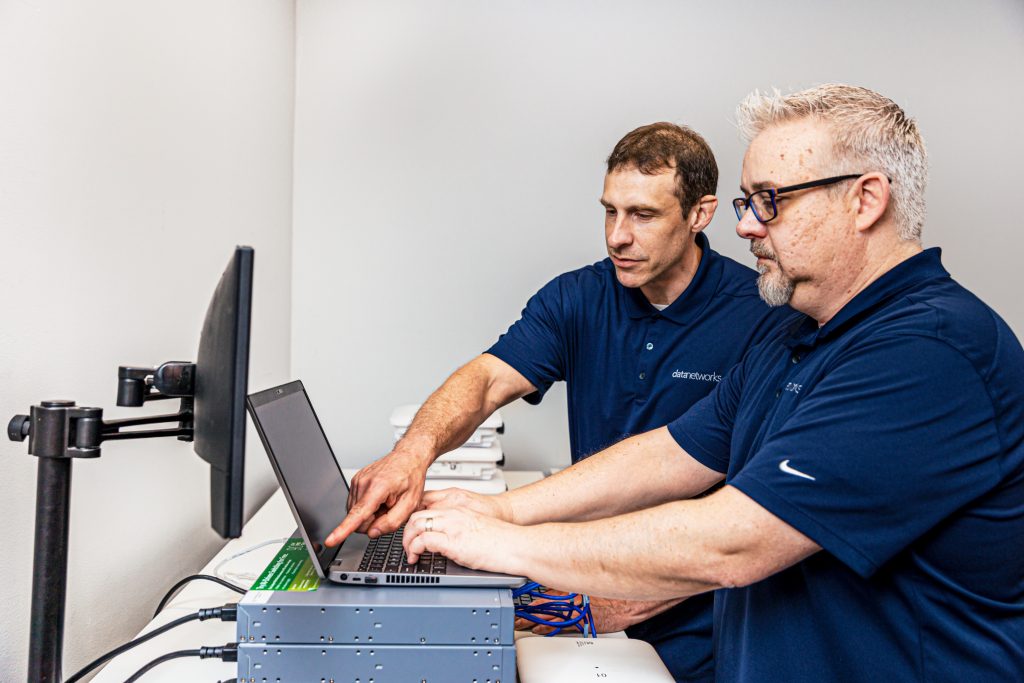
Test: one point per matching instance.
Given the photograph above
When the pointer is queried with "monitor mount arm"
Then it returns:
(58, 431)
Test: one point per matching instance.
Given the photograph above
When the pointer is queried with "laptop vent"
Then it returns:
(402, 578)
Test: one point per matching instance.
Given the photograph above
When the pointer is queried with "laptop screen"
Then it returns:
(304, 463)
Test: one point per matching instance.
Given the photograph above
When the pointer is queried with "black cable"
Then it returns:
(225, 613)
(194, 577)
(229, 653)
(129, 645)
(160, 660)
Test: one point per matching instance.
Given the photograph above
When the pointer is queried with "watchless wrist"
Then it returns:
(420, 451)
(506, 505)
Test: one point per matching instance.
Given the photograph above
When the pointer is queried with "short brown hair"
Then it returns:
(656, 147)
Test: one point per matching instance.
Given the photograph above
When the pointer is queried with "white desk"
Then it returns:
(273, 520)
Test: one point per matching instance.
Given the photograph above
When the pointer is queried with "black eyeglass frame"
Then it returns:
(741, 204)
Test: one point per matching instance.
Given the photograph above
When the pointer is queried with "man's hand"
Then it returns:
(469, 538)
(386, 492)
(383, 495)
(488, 505)
(609, 615)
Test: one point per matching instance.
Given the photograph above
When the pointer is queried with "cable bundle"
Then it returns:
(558, 611)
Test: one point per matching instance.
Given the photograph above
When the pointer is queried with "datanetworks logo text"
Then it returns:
(699, 376)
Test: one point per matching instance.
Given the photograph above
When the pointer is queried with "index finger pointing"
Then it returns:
(361, 508)
(353, 520)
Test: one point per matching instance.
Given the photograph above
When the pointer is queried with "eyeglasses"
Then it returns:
(762, 203)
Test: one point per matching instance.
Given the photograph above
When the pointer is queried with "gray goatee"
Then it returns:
(775, 288)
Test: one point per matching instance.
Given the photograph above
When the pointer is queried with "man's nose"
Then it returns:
(749, 227)
(618, 234)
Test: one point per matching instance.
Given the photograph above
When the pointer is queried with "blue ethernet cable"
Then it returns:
(562, 610)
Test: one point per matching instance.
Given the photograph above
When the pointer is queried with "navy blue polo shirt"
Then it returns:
(630, 368)
(893, 436)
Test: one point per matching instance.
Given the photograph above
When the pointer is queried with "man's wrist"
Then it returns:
(506, 507)
(418, 450)
(522, 559)
(523, 507)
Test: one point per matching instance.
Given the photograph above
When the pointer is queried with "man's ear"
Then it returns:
(870, 199)
(702, 213)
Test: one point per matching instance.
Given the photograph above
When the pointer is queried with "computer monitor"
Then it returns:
(212, 415)
(221, 383)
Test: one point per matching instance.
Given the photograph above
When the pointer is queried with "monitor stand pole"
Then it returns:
(49, 569)
(59, 431)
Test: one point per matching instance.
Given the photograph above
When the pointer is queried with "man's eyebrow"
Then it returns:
(757, 187)
(633, 208)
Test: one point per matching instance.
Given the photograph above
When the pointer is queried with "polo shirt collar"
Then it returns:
(909, 274)
(694, 298)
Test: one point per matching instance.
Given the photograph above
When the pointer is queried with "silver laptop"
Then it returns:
(318, 495)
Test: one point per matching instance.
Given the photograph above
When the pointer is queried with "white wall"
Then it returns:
(139, 143)
(448, 157)
(448, 161)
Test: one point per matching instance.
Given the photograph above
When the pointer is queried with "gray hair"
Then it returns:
(868, 129)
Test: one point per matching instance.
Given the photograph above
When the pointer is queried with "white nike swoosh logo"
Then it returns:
(784, 466)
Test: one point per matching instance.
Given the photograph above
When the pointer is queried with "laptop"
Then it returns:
(317, 493)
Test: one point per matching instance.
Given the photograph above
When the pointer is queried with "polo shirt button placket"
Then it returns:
(648, 346)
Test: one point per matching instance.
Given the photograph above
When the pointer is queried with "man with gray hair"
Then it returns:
(873, 453)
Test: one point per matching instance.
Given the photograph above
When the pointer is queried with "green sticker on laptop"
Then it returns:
(290, 570)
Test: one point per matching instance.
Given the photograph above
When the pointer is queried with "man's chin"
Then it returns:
(775, 289)
(630, 280)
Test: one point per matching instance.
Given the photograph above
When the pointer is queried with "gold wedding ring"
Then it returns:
(429, 524)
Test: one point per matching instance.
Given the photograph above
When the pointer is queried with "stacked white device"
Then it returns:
(476, 465)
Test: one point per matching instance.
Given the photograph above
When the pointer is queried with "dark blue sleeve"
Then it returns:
(537, 343)
(705, 430)
(898, 435)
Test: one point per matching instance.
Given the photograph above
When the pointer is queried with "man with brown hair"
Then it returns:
(638, 338)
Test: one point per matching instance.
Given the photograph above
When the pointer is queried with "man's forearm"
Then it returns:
(671, 551)
(642, 471)
(577, 557)
(450, 415)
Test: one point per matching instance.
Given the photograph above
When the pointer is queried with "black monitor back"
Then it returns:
(222, 373)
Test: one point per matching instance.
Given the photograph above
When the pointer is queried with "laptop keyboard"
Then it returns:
(386, 554)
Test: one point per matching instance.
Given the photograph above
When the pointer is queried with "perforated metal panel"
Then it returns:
(354, 633)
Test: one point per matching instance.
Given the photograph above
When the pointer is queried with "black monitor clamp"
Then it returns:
(58, 431)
